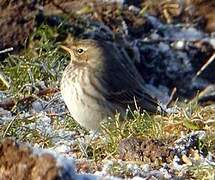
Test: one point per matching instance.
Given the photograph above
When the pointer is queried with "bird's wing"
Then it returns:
(124, 84)
(134, 100)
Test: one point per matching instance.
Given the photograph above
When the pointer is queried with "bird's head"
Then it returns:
(85, 51)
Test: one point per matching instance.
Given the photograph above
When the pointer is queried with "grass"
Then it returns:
(44, 62)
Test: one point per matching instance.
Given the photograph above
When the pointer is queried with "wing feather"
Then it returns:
(123, 83)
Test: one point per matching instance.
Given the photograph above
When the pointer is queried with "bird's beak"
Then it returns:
(67, 49)
(67, 45)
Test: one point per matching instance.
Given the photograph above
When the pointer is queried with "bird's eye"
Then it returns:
(80, 50)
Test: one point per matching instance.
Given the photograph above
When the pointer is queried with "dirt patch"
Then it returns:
(154, 152)
(17, 20)
(19, 162)
(186, 150)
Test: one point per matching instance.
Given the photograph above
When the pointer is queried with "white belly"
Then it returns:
(86, 111)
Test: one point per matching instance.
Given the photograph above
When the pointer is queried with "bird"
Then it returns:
(100, 81)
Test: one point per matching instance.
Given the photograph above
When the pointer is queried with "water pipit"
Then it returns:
(100, 81)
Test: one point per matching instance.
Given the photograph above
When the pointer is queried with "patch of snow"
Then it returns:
(153, 36)
(62, 148)
(134, 169)
(164, 47)
(212, 42)
(146, 168)
(138, 178)
(155, 22)
(117, 1)
(2, 95)
(179, 44)
(42, 124)
(5, 116)
(38, 106)
(134, 9)
(186, 34)
(165, 173)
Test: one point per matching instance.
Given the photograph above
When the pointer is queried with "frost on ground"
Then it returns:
(168, 56)
(165, 159)
(22, 161)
